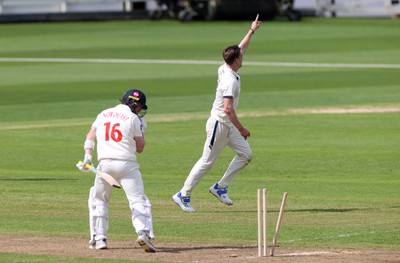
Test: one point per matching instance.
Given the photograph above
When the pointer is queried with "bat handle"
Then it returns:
(88, 166)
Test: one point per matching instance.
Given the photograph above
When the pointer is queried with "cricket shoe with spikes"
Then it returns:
(221, 194)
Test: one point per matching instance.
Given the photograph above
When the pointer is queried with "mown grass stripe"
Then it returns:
(157, 118)
(199, 62)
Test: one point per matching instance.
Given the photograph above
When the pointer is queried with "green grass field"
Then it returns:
(341, 170)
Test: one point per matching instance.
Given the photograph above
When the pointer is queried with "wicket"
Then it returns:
(262, 222)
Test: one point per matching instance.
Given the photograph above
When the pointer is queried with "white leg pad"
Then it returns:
(92, 220)
(98, 217)
(101, 217)
(142, 218)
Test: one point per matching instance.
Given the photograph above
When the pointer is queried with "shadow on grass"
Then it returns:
(189, 248)
(328, 210)
(35, 179)
(199, 248)
(313, 210)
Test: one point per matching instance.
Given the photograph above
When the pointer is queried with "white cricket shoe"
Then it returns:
(92, 245)
(183, 202)
(144, 241)
(221, 194)
(92, 242)
(98, 244)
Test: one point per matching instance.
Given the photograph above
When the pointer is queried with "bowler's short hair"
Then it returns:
(231, 53)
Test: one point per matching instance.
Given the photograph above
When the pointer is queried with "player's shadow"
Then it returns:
(200, 248)
(174, 250)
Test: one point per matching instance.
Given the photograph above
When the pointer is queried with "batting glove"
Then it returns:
(86, 160)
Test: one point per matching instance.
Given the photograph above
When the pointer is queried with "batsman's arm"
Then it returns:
(138, 135)
(140, 142)
(89, 143)
(246, 40)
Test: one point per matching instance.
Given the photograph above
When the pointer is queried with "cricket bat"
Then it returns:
(103, 175)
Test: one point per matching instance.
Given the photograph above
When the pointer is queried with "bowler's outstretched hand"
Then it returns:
(256, 24)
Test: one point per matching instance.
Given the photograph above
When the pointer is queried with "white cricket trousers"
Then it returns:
(219, 136)
(128, 175)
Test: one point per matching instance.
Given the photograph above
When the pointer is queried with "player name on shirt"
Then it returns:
(118, 115)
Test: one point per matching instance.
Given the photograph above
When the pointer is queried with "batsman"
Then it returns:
(119, 132)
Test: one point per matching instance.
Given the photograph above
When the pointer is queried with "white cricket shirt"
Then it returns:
(228, 86)
(115, 129)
